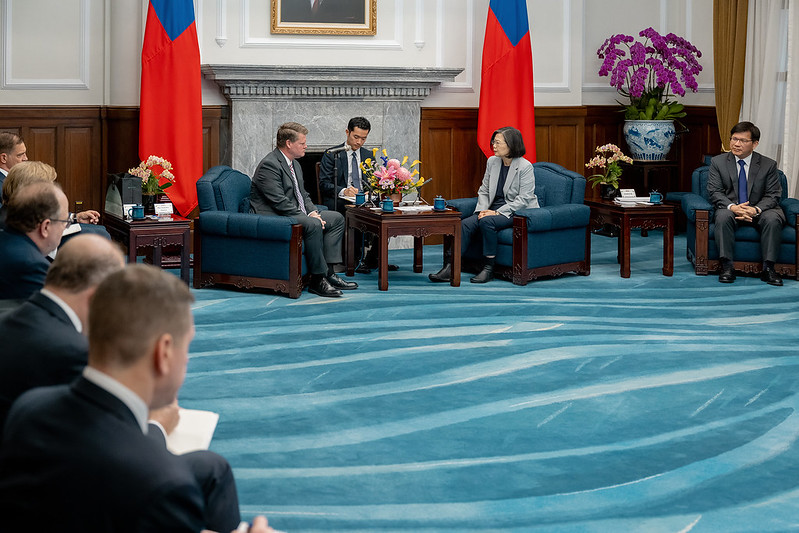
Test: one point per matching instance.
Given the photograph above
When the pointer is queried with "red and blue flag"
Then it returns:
(506, 86)
(170, 119)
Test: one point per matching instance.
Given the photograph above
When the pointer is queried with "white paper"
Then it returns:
(193, 432)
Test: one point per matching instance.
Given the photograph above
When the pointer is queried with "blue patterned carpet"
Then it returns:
(576, 404)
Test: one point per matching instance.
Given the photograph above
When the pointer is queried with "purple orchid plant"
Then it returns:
(649, 72)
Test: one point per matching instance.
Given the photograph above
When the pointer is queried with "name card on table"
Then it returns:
(163, 209)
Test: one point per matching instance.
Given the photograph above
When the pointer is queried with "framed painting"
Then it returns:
(325, 17)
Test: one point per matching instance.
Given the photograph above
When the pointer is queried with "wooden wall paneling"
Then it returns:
(83, 185)
(122, 139)
(559, 133)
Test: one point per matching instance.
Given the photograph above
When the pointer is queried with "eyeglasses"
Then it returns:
(497, 142)
(735, 140)
(71, 219)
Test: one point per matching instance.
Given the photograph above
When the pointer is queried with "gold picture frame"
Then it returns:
(327, 17)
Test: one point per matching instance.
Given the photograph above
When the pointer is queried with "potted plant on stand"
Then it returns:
(647, 73)
(607, 159)
(156, 175)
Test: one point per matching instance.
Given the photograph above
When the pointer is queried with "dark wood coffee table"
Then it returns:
(645, 217)
(150, 237)
(417, 224)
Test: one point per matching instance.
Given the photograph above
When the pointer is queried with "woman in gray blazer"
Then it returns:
(508, 186)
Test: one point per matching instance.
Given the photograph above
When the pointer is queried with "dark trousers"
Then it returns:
(321, 246)
(769, 224)
(488, 227)
(215, 477)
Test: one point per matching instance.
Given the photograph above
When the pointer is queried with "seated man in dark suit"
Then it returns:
(277, 189)
(340, 176)
(30, 359)
(81, 451)
(36, 218)
(12, 151)
(744, 187)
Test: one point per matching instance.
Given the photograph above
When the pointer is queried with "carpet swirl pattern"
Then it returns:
(574, 404)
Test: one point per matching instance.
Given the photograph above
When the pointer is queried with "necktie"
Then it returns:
(315, 6)
(356, 175)
(742, 193)
(297, 194)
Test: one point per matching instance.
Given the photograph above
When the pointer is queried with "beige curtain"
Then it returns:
(729, 50)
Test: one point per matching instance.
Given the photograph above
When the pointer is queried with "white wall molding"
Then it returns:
(419, 41)
(467, 85)
(283, 43)
(8, 79)
(563, 85)
(221, 22)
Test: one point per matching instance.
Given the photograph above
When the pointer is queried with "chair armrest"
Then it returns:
(553, 217)
(691, 202)
(465, 205)
(791, 208)
(246, 225)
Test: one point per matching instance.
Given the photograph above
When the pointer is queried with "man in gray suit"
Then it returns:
(744, 187)
(277, 189)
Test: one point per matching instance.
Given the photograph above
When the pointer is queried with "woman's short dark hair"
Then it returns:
(513, 138)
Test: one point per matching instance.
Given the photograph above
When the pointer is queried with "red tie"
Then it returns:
(315, 6)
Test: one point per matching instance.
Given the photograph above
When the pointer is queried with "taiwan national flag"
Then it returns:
(506, 87)
(170, 120)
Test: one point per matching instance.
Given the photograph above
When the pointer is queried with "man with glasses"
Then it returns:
(36, 218)
(745, 189)
(12, 151)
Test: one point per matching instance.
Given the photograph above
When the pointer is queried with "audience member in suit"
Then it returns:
(277, 189)
(744, 187)
(30, 359)
(36, 218)
(28, 172)
(508, 186)
(326, 11)
(81, 450)
(12, 151)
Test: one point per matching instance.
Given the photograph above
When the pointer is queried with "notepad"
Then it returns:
(193, 432)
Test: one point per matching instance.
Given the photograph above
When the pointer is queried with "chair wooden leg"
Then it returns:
(702, 236)
(519, 251)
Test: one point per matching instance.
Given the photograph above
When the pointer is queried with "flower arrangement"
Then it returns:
(607, 158)
(389, 176)
(654, 67)
(151, 172)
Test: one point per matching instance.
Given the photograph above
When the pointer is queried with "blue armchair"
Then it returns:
(235, 247)
(548, 241)
(702, 250)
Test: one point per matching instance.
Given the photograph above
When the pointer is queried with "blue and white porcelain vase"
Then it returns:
(649, 140)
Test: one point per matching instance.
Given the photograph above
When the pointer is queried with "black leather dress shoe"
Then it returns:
(338, 283)
(322, 287)
(443, 275)
(727, 274)
(770, 276)
(363, 269)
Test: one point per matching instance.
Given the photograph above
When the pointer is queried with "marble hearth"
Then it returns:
(323, 99)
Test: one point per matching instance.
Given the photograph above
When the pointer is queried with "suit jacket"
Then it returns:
(22, 265)
(77, 452)
(272, 189)
(519, 186)
(30, 359)
(330, 186)
(763, 183)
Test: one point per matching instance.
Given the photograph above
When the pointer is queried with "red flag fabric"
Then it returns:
(506, 87)
(170, 115)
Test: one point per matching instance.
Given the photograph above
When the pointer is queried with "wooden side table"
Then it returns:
(417, 224)
(639, 216)
(150, 237)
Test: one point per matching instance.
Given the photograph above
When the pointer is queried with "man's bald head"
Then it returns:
(83, 262)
